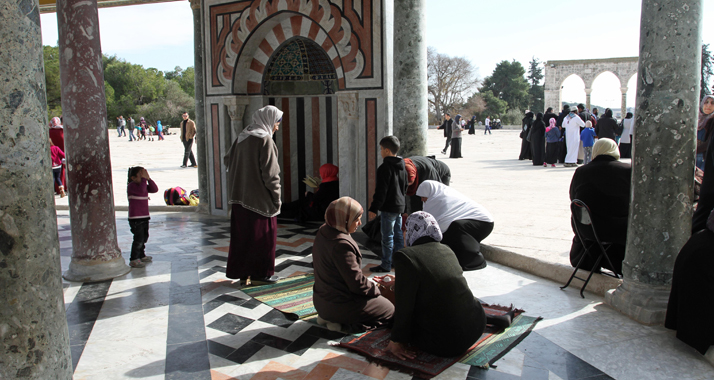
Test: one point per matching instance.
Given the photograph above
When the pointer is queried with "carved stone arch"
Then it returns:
(299, 66)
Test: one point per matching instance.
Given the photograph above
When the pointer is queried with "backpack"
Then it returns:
(176, 196)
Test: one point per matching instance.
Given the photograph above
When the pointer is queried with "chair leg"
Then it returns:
(592, 271)
(577, 266)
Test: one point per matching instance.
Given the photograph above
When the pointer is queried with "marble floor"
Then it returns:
(180, 318)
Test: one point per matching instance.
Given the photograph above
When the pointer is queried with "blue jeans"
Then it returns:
(131, 134)
(700, 160)
(392, 237)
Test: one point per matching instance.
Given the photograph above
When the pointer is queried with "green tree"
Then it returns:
(52, 80)
(507, 83)
(536, 93)
(169, 107)
(133, 85)
(494, 107)
(707, 71)
(185, 79)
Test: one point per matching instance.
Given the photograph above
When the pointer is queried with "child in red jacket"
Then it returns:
(57, 161)
(138, 189)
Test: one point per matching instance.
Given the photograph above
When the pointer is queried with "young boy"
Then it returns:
(587, 136)
(138, 189)
(389, 199)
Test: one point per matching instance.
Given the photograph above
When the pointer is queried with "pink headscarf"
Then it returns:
(56, 123)
(552, 125)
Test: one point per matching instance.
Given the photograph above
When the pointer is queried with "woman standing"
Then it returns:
(456, 130)
(706, 111)
(57, 137)
(628, 124)
(527, 123)
(472, 125)
(538, 140)
(254, 193)
(552, 138)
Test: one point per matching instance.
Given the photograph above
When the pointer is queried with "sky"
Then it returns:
(485, 32)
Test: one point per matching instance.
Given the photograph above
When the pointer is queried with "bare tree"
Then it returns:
(452, 80)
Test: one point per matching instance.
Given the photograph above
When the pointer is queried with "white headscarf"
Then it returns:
(420, 224)
(263, 121)
(447, 205)
(607, 147)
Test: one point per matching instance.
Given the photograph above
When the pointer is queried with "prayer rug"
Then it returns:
(292, 296)
(493, 344)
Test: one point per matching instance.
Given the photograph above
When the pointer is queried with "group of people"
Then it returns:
(453, 129)
(568, 138)
(142, 129)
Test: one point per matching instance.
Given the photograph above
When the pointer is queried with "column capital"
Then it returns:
(236, 107)
(588, 91)
(623, 90)
(195, 4)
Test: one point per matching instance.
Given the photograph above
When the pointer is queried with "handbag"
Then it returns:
(528, 137)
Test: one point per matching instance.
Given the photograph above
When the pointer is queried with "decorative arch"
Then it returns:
(299, 66)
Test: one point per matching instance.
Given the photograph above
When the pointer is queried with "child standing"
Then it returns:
(389, 199)
(57, 161)
(138, 189)
(587, 136)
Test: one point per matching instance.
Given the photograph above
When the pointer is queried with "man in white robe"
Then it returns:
(572, 124)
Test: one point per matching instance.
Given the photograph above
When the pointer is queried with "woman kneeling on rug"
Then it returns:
(342, 294)
(434, 309)
(464, 222)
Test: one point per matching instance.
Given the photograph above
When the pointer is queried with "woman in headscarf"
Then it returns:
(465, 223)
(552, 138)
(420, 169)
(628, 129)
(572, 124)
(604, 186)
(706, 111)
(472, 125)
(691, 301)
(606, 127)
(313, 206)
(57, 137)
(538, 140)
(526, 125)
(456, 130)
(434, 307)
(254, 193)
(342, 294)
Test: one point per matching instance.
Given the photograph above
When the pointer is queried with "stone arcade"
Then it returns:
(328, 65)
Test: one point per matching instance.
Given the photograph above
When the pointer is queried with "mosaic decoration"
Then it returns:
(300, 60)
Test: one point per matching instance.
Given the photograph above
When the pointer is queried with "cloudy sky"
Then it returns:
(486, 32)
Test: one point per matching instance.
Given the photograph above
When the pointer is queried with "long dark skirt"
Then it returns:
(538, 147)
(562, 151)
(691, 301)
(455, 148)
(525, 150)
(464, 238)
(252, 248)
(551, 153)
(625, 150)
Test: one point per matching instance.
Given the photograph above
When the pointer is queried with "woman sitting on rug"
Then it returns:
(465, 223)
(435, 309)
(342, 294)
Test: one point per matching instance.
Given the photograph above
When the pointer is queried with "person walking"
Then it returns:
(159, 130)
(130, 125)
(487, 125)
(456, 128)
(525, 144)
(446, 126)
(188, 132)
(472, 125)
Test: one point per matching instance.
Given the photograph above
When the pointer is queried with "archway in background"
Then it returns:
(606, 93)
(632, 93)
(572, 90)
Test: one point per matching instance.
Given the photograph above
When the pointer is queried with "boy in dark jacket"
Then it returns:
(389, 199)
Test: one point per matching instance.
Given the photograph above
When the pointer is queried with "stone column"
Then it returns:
(236, 110)
(623, 102)
(201, 148)
(34, 340)
(95, 253)
(411, 117)
(348, 143)
(588, 91)
(663, 157)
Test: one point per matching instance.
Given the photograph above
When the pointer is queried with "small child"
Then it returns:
(587, 136)
(57, 161)
(138, 189)
(151, 133)
(389, 199)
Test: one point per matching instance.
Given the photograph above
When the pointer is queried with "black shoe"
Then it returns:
(379, 269)
(183, 166)
(266, 280)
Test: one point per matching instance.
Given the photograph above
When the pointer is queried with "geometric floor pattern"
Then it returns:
(181, 318)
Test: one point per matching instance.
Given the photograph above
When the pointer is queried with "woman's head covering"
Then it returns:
(55, 122)
(420, 224)
(263, 121)
(158, 123)
(539, 116)
(608, 113)
(529, 114)
(702, 116)
(552, 123)
(447, 204)
(605, 146)
(457, 118)
(342, 212)
(412, 176)
(328, 173)
(629, 115)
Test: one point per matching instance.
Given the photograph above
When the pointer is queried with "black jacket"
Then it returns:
(446, 126)
(391, 187)
(428, 168)
(325, 194)
(607, 128)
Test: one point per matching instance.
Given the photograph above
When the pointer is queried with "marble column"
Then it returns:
(201, 148)
(588, 91)
(663, 156)
(34, 340)
(348, 143)
(95, 253)
(623, 101)
(410, 81)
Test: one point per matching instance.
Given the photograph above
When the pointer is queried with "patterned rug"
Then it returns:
(292, 296)
(493, 344)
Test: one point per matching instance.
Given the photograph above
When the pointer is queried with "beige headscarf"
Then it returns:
(607, 147)
(263, 121)
(342, 212)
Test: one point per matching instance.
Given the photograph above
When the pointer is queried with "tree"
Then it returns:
(507, 83)
(133, 85)
(185, 79)
(450, 79)
(707, 71)
(473, 107)
(495, 107)
(52, 80)
(536, 93)
(169, 107)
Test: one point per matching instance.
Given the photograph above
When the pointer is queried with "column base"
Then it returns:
(95, 270)
(646, 304)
